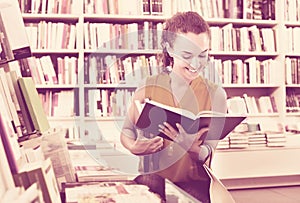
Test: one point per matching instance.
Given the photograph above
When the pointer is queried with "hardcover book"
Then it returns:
(154, 113)
(33, 104)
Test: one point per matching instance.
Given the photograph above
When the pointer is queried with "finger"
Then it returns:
(202, 133)
(170, 128)
(180, 128)
(161, 127)
(157, 140)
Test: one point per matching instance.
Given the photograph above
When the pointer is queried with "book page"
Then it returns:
(179, 111)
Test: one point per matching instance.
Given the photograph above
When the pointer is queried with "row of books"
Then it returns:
(9, 191)
(59, 103)
(107, 103)
(292, 70)
(292, 101)
(251, 105)
(44, 70)
(248, 71)
(292, 10)
(50, 6)
(292, 41)
(249, 9)
(17, 98)
(51, 35)
(229, 38)
(122, 36)
(256, 139)
(111, 69)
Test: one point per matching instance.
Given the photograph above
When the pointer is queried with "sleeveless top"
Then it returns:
(173, 162)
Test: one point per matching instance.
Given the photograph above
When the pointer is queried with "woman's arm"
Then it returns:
(137, 144)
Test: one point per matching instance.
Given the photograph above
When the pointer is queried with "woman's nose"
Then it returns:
(195, 62)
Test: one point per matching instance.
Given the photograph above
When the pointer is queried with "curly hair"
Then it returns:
(181, 22)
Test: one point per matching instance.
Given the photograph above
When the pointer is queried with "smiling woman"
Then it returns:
(185, 42)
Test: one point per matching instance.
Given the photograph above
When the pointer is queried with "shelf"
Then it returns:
(292, 86)
(242, 53)
(242, 22)
(250, 86)
(107, 18)
(122, 51)
(292, 54)
(123, 86)
(263, 115)
(107, 118)
(55, 51)
(263, 148)
(55, 118)
(293, 114)
(56, 86)
(52, 17)
(292, 24)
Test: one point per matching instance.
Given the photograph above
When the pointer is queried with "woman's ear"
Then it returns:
(169, 49)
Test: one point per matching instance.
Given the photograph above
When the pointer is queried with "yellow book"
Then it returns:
(33, 104)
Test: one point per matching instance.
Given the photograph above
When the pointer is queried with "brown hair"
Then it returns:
(181, 22)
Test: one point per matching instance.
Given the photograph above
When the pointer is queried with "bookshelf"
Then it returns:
(85, 15)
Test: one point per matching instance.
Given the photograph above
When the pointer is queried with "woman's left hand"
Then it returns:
(189, 142)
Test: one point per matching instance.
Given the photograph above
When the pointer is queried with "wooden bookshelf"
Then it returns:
(107, 126)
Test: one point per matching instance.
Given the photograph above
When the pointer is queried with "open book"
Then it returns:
(153, 113)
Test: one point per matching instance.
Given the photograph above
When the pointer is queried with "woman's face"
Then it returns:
(190, 53)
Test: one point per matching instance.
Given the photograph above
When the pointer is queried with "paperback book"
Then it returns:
(153, 113)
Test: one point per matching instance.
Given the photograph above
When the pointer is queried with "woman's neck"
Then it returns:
(179, 86)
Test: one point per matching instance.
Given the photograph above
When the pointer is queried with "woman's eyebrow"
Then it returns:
(206, 50)
(187, 52)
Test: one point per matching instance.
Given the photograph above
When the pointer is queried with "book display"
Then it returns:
(88, 57)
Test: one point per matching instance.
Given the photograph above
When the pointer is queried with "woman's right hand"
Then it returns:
(146, 146)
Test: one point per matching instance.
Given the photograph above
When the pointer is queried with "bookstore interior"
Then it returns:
(68, 71)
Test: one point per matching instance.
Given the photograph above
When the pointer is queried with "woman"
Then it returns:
(185, 42)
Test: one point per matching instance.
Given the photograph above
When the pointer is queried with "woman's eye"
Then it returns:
(202, 56)
(186, 57)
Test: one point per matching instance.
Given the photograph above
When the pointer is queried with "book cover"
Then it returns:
(33, 103)
(9, 139)
(42, 172)
(154, 113)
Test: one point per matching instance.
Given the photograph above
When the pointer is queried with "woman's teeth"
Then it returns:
(191, 70)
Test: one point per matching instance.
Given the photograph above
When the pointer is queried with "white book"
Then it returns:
(53, 35)
(296, 40)
(86, 35)
(104, 99)
(94, 97)
(93, 71)
(236, 105)
(73, 70)
(49, 35)
(44, 6)
(93, 37)
(128, 68)
(252, 69)
(12, 112)
(256, 36)
(9, 138)
(215, 36)
(59, 35)
(265, 104)
(66, 70)
(288, 71)
(72, 39)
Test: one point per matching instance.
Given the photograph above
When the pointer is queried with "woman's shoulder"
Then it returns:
(153, 79)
